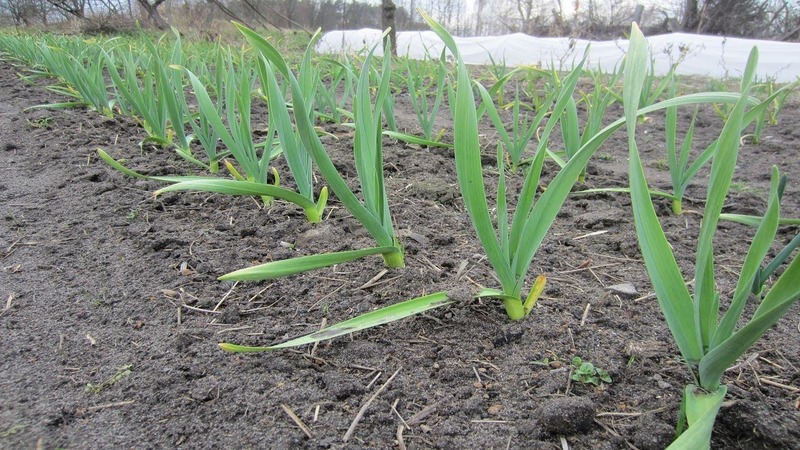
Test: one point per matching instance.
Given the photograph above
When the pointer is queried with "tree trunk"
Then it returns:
(691, 15)
(389, 9)
(153, 14)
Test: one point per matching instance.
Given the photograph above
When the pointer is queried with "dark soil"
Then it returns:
(111, 308)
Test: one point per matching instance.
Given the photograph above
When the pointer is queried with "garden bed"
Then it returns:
(112, 311)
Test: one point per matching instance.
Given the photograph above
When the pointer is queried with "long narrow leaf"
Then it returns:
(671, 291)
(759, 246)
(302, 264)
(722, 167)
(371, 319)
(783, 294)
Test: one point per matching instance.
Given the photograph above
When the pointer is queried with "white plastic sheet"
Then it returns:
(712, 56)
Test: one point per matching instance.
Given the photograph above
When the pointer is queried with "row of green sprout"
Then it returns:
(150, 81)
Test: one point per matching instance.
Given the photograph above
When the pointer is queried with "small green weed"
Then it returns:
(660, 164)
(586, 373)
(122, 372)
(43, 123)
(606, 157)
(582, 371)
(13, 430)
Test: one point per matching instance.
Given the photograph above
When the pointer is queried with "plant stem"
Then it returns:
(514, 308)
(394, 259)
(677, 206)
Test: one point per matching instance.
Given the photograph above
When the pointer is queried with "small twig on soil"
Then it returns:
(789, 363)
(373, 280)
(394, 409)
(594, 233)
(369, 369)
(417, 418)
(8, 302)
(374, 379)
(314, 306)
(569, 381)
(585, 313)
(629, 414)
(400, 443)
(227, 330)
(617, 258)
(297, 420)
(477, 375)
(773, 364)
(591, 270)
(485, 363)
(645, 297)
(381, 283)
(614, 433)
(225, 297)
(462, 269)
(249, 300)
(747, 361)
(322, 325)
(581, 269)
(193, 308)
(11, 247)
(564, 443)
(363, 409)
(425, 260)
(769, 382)
(83, 411)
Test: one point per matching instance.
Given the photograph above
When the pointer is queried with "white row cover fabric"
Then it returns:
(713, 56)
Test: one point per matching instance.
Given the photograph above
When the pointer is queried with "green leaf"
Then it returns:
(759, 246)
(411, 139)
(308, 134)
(237, 187)
(167, 179)
(469, 170)
(671, 291)
(371, 319)
(783, 294)
(724, 162)
(302, 264)
(701, 411)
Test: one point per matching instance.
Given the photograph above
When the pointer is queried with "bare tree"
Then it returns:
(152, 13)
(388, 21)
(25, 12)
(749, 18)
(73, 8)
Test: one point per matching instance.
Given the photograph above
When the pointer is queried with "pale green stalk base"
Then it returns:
(514, 308)
(394, 260)
(698, 410)
(677, 206)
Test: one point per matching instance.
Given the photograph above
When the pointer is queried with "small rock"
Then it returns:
(230, 315)
(567, 415)
(317, 234)
(508, 337)
(495, 410)
(624, 289)
(645, 349)
(652, 434)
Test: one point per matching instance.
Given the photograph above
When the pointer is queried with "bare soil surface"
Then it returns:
(111, 311)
